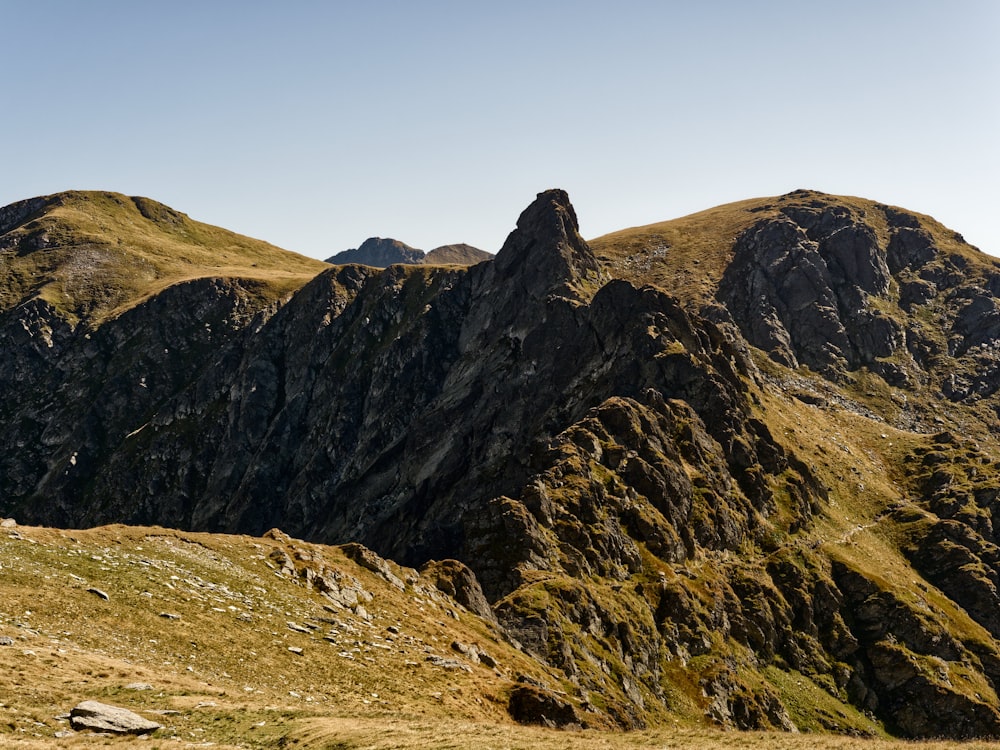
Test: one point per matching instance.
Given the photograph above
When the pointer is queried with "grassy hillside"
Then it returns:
(197, 632)
(94, 254)
(687, 256)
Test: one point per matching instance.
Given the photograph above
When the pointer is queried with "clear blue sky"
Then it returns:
(317, 124)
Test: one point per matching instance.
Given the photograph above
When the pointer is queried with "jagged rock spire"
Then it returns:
(546, 248)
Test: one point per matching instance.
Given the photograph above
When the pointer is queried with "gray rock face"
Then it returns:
(83, 397)
(818, 286)
(100, 717)
(799, 287)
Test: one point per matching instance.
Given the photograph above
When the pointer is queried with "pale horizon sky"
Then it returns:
(314, 125)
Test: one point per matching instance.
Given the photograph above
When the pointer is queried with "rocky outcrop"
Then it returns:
(457, 580)
(529, 704)
(839, 289)
(799, 286)
(909, 662)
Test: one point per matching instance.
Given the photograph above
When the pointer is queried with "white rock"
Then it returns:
(101, 717)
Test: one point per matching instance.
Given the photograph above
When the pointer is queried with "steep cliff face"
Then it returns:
(109, 306)
(731, 499)
(838, 288)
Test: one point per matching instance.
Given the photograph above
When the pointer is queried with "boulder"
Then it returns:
(529, 704)
(100, 717)
(459, 582)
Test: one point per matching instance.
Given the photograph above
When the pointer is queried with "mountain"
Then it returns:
(382, 253)
(459, 254)
(740, 466)
(91, 255)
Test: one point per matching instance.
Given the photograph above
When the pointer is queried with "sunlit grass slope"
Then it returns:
(687, 256)
(225, 641)
(92, 255)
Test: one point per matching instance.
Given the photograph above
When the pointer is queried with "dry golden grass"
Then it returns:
(688, 255)
(355, 734)
(224, 664)
(100, 253)
(222, 673)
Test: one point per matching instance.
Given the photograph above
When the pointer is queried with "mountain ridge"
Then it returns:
(757, 488)
(94, 254)
(382, 252)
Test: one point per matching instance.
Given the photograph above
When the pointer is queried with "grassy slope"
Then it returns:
(93, 254)
(223, 673)
(687, 256)
(224, 663)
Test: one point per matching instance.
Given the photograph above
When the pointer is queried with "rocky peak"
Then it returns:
(457, 254)
(380, 252)
(546, 250)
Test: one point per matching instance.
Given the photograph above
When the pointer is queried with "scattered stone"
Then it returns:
(170, 616)
(6, 640)
(453, 664)
(296, 650)
(466, 650)
(63, 733)
(100, 717)
(368, 559)
(393, 629)
(8, 523)
(138, 686)
(297, 628)
(278, 535)
(98, 592)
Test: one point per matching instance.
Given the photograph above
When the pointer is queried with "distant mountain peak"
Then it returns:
(382, 252)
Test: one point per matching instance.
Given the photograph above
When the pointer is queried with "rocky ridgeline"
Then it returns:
(604, 461)
(382, 252)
